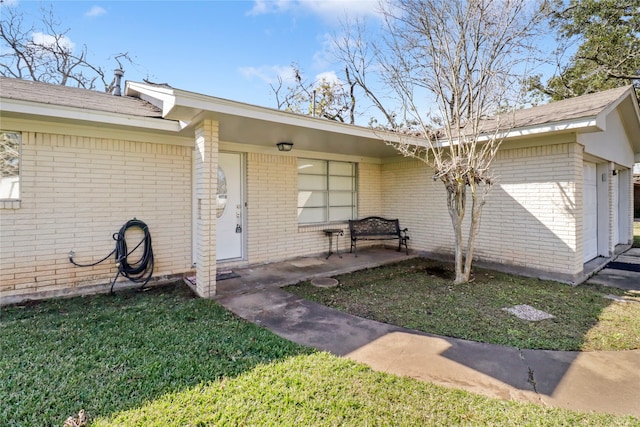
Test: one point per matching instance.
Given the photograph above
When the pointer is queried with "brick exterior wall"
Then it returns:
(529, 220)
(272, 195)
(418, 202)
(273, 233)
(75, 193)
(533, 217)
(369, 189)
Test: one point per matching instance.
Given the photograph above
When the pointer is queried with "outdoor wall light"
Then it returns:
(284, 146)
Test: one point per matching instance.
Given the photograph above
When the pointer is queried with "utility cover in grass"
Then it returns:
(527, 312)
(324, 282)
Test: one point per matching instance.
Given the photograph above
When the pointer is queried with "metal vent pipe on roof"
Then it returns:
(117, 90)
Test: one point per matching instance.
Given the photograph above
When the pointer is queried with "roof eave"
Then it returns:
(584, 124)
(83, 114)
(187, 107)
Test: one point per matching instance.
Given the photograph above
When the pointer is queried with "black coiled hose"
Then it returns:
(139, 271)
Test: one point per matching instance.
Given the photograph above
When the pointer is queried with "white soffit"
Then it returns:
(264, 127)
(186, 106)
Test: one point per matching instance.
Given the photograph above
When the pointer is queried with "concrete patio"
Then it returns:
(277, 275)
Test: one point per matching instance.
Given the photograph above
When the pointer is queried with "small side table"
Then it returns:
(330, 232)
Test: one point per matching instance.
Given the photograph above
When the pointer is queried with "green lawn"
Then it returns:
(164, 358)
(419, 294)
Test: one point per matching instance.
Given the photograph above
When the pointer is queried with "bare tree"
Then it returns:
(456, 68)
(360, 54)
(48, 55)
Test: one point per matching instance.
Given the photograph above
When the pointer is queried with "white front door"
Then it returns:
(590, 211)
(229, 207)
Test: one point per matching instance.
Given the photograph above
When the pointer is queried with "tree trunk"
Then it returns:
(456, 198)
(456, 203)
(476, 208)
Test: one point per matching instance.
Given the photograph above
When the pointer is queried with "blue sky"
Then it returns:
(229, 49)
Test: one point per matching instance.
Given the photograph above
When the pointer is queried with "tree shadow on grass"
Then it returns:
(106, 354)
(418, 295)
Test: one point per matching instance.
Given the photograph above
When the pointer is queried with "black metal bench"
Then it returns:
(377, 228)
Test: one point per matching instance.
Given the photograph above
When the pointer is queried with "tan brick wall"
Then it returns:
(272, 222)
(533, 217)
(206, 164)
(272, 195)
(410, 195)
(76, 192)
(369, 189)
(530, 217)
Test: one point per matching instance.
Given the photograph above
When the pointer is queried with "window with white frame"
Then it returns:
(326, 191)
(10, 165)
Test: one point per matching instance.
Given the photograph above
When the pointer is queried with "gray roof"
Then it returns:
(27, 90)
(568, 109)
(585, 106)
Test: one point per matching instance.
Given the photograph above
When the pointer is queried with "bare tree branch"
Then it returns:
(50, 56)
(465, 61)
(330, 100)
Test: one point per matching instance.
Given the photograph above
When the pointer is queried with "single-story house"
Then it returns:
(206, 175)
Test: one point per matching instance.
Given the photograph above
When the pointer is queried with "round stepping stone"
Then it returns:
(324, 282)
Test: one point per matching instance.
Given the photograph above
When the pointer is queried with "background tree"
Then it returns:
(455, 69)
(328, 99)
(46, 54)
(607, 34)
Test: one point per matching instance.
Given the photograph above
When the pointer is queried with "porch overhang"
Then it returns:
(242, 123)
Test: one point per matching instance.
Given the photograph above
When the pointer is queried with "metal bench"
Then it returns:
(377, 228)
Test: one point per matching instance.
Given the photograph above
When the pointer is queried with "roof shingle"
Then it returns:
(27, 90)
(589, 105)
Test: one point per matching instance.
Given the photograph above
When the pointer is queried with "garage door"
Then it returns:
(616, 216)
(590, 210)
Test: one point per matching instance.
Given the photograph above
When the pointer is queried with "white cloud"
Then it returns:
(328, 76)
(269, 73)
(262, 7)
(95, 11)
(324, 57)
(42, 39)
(338, 8)
(327, 9)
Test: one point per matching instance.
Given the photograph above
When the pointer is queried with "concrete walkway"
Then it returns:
(623, 272)
(590, 381)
